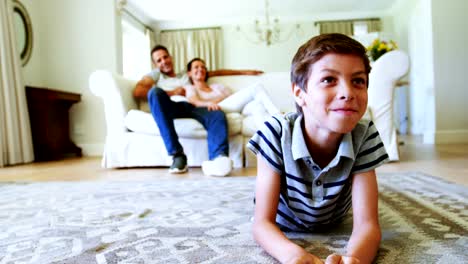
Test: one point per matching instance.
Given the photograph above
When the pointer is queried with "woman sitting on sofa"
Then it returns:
(219, 97)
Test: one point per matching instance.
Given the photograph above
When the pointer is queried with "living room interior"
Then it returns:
(73, 39)
(89, 38)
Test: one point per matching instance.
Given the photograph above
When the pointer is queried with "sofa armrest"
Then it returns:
(116, 94)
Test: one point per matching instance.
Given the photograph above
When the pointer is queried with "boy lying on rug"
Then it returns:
(314, 164)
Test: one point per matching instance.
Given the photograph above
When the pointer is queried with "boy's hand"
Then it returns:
(338, 259)
(306, 258)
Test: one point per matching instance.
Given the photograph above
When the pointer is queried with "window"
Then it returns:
(136, 47)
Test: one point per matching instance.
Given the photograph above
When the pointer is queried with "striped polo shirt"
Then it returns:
(313, 197)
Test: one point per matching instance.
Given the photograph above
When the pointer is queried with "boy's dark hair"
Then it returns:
(189, 67)
(317, 47)
(156, 48)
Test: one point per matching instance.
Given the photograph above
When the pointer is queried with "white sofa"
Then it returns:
(133, 139)
(385, 73)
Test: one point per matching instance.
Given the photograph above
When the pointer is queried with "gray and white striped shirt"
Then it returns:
(313, 197)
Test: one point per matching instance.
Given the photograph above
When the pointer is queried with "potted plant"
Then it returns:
(380, 47)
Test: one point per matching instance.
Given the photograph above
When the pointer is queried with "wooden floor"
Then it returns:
(449, 162)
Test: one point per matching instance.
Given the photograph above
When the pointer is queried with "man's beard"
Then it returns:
(165, 71)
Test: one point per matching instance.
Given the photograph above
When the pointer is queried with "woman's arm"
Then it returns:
(366, 235)
(211, 104)
(146, 83)
(196, 101)
(265, 231)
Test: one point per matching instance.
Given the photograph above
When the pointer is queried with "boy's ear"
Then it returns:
(298, 94)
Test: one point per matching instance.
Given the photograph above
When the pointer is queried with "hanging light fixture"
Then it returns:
(269, 32)
(120, 6)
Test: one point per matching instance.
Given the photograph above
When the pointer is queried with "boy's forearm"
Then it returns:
(364, 243)
(273, 240)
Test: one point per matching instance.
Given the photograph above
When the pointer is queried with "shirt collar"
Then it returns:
(299, 148)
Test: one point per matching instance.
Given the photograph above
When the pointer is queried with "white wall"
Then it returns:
(450, 35)
(32, 70)
(413, 33)
(421, 93)
(72, 39)
(240, 53)
(436, 32)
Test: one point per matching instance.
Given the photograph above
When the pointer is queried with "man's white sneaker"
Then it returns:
(220, 166)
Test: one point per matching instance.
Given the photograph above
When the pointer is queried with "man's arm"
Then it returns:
(142, 87)
(224, 72)
(146, 83)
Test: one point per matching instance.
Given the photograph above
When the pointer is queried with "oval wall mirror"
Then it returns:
(23, 29)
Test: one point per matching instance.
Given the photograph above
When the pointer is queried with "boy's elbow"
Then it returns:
(255, 230)
(375, 233)
(372, 231)
(378, 234)
(258, 228)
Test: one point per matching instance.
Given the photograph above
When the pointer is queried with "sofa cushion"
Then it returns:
(142, 122)
(251, 124)
(254, 108)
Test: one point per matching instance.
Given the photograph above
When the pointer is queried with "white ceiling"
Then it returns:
(155, 11)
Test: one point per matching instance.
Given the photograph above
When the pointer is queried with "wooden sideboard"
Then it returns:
(50, 126)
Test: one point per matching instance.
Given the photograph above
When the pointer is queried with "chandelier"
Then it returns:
(268, 32)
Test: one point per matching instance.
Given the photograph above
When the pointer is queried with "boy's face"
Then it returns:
(336, 96)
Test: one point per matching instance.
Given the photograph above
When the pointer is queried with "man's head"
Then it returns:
(162, 60)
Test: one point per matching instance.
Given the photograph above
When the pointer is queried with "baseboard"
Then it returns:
(451, 136)
(92, 150)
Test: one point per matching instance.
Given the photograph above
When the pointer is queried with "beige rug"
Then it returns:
(424, 220)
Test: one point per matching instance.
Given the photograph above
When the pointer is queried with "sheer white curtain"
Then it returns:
(15, 133)
(206, 44)
(176, 44)
(342, 27)
(374, 25)
(184, 45)
(347, 27)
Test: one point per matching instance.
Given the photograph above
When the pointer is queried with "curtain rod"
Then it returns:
(137, 19)
(188, 29)
(348, 20)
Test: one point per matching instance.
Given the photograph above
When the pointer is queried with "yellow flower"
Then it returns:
(382, 46)
(379, 48)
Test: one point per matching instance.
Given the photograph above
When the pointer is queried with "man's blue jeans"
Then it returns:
(164, 112)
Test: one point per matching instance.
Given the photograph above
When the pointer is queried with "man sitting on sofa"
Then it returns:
(158, 87)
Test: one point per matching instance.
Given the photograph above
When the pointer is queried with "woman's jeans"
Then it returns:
(164, 112)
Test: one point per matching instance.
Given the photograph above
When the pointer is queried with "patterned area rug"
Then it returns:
(424, 220)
